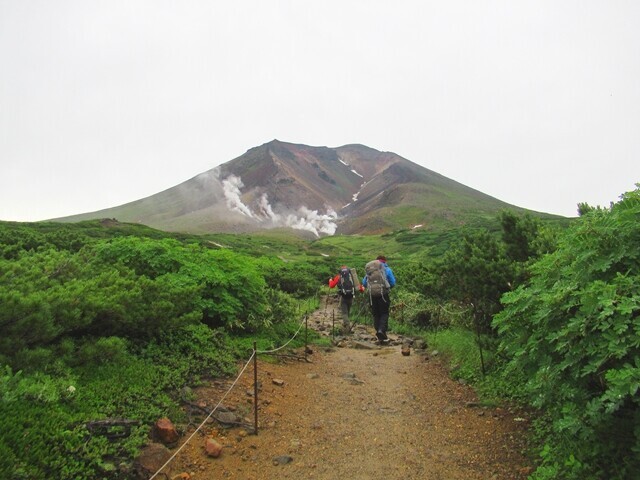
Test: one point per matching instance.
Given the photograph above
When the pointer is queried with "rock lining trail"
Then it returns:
(359, 411)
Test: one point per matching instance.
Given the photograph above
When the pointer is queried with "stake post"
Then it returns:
(333, 324)
(479, 339)
(306, 342)
(255, 389)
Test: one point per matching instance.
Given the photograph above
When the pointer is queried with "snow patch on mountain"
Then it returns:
(354, 198)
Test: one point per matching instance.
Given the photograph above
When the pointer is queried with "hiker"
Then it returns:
(347, 281)
(379, 280)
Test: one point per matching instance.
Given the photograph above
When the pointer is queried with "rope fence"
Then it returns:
(254, 357)
(206, 419)
(303, 323)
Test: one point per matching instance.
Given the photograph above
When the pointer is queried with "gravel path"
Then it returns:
(359, 413)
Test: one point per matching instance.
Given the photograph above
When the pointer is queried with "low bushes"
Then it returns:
(574, 331)
(96, 328)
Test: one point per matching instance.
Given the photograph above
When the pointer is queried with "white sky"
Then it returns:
(536, 103)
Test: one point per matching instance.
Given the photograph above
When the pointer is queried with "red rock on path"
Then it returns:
(165, 431)
(213, 447)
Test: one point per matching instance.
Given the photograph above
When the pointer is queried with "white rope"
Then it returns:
(225, 396)
(208, 417)
(290, 340)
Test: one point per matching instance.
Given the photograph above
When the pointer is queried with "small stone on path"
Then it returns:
(282, 460)
(212, 447)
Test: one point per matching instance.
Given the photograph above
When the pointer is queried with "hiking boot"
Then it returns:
(380, 336)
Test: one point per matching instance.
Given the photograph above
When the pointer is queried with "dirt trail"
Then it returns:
(361, 413)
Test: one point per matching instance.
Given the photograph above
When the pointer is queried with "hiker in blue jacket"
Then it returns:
(379, 282)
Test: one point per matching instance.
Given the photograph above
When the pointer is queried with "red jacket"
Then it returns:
(335, 280)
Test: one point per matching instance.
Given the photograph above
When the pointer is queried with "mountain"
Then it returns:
(349, 189)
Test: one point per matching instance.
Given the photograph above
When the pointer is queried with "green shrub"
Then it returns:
(574, 331)
(281, 308)
(44, 432)
(101, 350)
(298, 279)
(96, 328)
(189, 352)
(460, 347)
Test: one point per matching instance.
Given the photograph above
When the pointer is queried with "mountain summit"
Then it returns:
(348, 189)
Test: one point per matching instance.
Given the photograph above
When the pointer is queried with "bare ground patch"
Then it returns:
(364, 412)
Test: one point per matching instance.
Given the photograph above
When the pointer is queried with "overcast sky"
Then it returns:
(536, 103)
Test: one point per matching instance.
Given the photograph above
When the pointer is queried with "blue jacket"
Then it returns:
(389, 273)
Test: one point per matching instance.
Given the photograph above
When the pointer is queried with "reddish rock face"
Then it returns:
(151, 459)
(165, 431)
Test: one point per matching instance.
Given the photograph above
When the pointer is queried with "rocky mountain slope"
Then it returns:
(349, 189)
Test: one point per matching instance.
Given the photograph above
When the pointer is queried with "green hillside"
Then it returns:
(108, 320)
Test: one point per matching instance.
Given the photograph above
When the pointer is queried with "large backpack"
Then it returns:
(376, 278)
(347, 288)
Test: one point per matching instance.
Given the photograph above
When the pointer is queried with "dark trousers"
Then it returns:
(380, 310)
(345, 308)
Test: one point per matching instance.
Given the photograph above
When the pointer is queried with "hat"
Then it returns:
(382, 258)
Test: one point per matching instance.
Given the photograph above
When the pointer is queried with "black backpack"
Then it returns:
(347, 288)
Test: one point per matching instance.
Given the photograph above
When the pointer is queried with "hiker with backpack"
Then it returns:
(379, 280)
(347, 281)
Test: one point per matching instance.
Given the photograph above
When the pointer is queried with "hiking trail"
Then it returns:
(356, 411)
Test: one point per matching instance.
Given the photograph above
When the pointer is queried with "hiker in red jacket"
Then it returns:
(346, 284)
